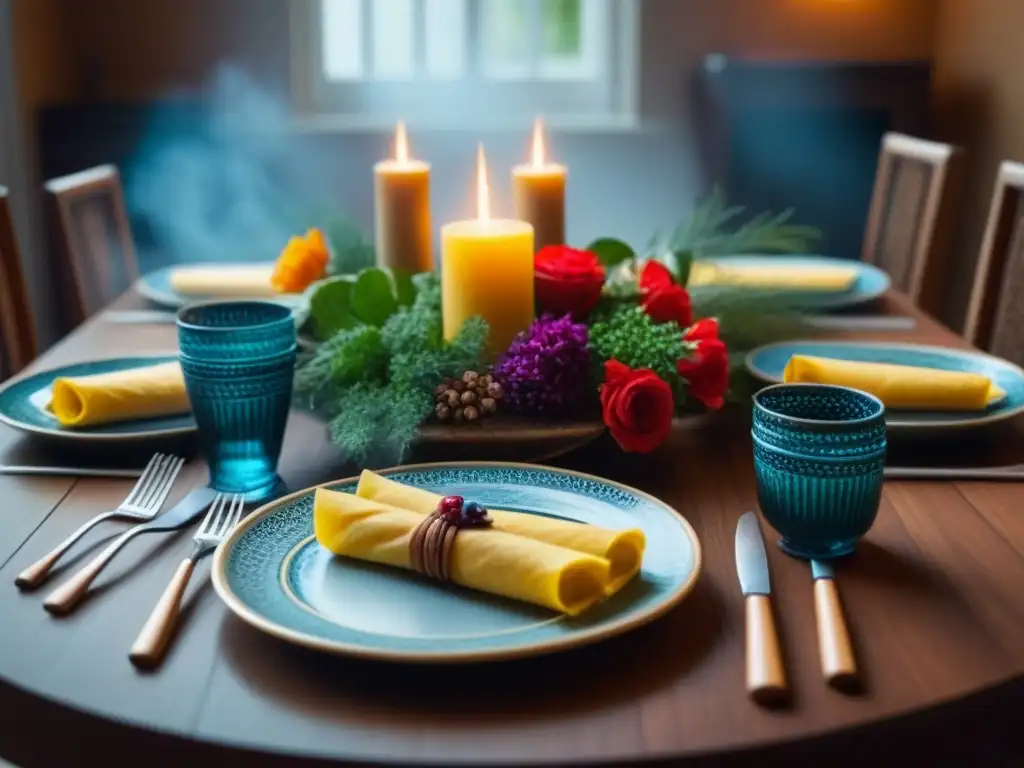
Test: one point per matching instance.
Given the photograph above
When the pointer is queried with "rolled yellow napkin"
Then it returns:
(820, 278)
(624, 550)
(905, 387)
(482, 558)
(241, 281)
(103, 398)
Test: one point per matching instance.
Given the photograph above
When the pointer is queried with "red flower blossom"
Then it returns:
(663, 299)
(567, 280)
(637, 406)
(707, 372)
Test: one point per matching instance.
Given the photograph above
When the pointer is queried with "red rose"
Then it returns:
(707, 372)
(702, 330)
(663, 299)
(637, 406)
(567, 280)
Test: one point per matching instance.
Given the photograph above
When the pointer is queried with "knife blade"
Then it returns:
(766, 677)
(834, 645)
(63, 599)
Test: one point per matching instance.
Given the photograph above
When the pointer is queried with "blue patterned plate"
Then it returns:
(768, 363)
(23, 404)
(871, 282)
(274, 575)
(156, 287)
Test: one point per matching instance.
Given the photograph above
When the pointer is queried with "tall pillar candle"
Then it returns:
(539, 190)
(487, 270)
(403, 237)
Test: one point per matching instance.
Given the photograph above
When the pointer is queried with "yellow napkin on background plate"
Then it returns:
(103, 398)
(484, 559)
(228, 281)
(823, 278)
(624, 550)
(904, 387)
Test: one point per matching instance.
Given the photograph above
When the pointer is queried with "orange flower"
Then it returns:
(302, 262)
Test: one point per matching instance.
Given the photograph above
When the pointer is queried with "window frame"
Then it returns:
(610, 100)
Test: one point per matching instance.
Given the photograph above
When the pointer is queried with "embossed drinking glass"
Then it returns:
(238, 359)
(819, 455)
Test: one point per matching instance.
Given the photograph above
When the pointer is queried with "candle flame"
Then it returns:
(538, 143)
(401, 143)
(483, 191)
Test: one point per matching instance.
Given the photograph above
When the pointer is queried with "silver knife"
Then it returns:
(766, 678)
(834, 645)
(63, 599)
(140, 316)
(1014, 473)
(861, 322)
(25, 469)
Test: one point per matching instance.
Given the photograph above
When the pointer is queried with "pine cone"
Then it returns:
(469, 397)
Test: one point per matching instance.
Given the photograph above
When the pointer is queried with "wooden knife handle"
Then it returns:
(148, 650)
(834, 646)
(766, 678)
(64, 598)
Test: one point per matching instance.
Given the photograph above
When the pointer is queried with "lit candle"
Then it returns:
(487, 270)
(402, 210)
(540, 193)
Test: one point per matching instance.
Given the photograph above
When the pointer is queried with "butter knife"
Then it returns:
(1014, 473)
(834, 646)
(140, 317)
(25, 469)
(766, 678)
(63, 599)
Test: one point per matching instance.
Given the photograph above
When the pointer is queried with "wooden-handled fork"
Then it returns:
(151, 644)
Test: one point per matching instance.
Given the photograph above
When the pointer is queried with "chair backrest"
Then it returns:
(95, 236)
(912, 191)
(995, 316)
(17, 327)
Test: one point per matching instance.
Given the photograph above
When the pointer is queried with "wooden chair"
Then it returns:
(909, 205)
(995, 315)
(17, 327)
(95, 237)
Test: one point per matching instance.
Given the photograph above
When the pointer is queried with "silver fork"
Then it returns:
(149, 647)
(144, 501)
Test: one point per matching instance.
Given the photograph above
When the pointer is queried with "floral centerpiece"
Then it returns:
(618, 337)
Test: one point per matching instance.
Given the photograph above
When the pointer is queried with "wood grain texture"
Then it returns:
(933, 601)
(835, 648)
(766, 677)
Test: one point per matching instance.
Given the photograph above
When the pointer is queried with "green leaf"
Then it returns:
(330, 306)
(679, 264)
(405, 289)
(611, 252)
(373, 296)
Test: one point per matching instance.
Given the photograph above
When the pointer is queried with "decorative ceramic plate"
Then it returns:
(23, 404)
(768, 363)
(274, 575)
(156, 287)
(870, 284)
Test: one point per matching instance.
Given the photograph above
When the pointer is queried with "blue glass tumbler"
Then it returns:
(238, 358)
(819, 456)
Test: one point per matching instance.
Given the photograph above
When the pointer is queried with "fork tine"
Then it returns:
(144, 479)
(213, 515)
(237, 505)
(172, 475)
(145, 499)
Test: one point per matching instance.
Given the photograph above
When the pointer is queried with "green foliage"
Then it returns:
(711, 231)
(345, 301)
(747, 319)
(628, 334)
(376, 384)
(611, 252)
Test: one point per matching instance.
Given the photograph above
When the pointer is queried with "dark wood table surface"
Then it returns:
(934, 598)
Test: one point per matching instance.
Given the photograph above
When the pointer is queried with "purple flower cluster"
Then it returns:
(545, 369)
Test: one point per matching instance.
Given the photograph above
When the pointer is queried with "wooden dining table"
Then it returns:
(934, 597)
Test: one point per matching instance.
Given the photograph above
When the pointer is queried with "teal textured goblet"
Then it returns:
(819, 455)
(238, 359)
